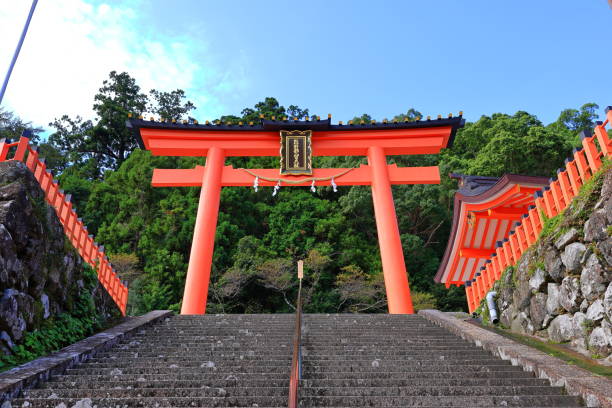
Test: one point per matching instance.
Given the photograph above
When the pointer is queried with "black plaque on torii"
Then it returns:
(296, 152)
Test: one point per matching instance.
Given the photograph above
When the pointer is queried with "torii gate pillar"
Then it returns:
(203, 244)
(391, 252)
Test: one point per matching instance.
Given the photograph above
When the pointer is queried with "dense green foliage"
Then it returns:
(259, 237)
(81, 320)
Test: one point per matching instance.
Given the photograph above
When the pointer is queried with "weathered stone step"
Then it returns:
(310, 401)
(409, 352)
(309, 365)
(250, 355)
(459, 350)
(184, 360)
(198, 382)
(207, 391)
(136, 363)
(194, 343)
(493, 371)
(178, 376)
(202, 391)
(350, 376)
(413, 337)
(196, 350)
(142, 382)
(168, 370)
(406, 364)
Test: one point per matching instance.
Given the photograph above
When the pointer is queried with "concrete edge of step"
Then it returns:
(28, 375)
(595, 390)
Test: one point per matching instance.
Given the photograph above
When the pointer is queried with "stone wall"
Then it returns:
(561, 288)
(41, 274)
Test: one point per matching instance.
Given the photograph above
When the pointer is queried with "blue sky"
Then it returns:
(339, 57)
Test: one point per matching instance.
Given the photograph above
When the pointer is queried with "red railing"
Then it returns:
(549, 202)
(296, 361)
(75, 230)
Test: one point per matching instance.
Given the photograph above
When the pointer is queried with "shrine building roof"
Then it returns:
(486, 211)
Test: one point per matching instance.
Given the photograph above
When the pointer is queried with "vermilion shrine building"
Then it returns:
(486, 211)
(374, 140)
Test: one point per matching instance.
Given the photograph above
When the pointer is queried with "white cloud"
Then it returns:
(72, 45)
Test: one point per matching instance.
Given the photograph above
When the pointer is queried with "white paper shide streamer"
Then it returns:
(256, 183)
(276, 188)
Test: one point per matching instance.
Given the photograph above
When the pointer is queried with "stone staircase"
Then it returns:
(244, 361)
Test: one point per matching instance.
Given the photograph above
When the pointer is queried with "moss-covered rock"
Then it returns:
(39, 269)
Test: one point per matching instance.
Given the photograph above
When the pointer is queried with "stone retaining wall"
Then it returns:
(561, 288)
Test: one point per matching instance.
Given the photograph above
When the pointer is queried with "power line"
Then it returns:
(19, 44)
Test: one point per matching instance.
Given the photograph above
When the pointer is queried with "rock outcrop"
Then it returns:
(41, 275)
(561, 288)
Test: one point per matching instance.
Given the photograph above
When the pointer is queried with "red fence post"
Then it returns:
(556, 194)
(573, 175)
(536, 221)
(22, 147)
(5, 144)
(32, 159)
(549, 203)
(605, 143)
(468, 295)
(566, 189)
(591, 152)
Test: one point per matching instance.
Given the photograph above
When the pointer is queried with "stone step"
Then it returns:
(347, 376)
(312, 370)
(208, 391)
(244, 361)
(370, 364)
(307, 363)
(235, 381)
(357, 342)
(218, 363)
(167, 376)
(167, 370)
(432, 351)
(311, 401)
(250, 355)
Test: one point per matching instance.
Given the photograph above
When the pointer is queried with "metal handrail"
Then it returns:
(296, 362)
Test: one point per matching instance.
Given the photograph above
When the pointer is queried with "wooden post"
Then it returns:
(582, 165)
(591, 152)
(4, 148)
(203, 244)
(574, 177)
(22, 147)
(391, 252)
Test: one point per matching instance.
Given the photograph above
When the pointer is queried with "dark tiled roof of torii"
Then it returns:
(266, 125)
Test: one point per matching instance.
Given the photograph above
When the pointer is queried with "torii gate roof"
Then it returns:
(486, 210)
(262, 138)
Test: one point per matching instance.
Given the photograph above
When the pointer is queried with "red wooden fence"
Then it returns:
(90, 251)
(549, 202)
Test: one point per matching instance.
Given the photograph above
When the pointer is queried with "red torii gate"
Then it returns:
(218, 141)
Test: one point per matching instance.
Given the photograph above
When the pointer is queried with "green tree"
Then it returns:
(106, 141)
(12, 127)
(170, 105)
(579, 120)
